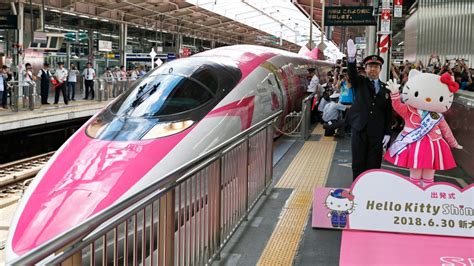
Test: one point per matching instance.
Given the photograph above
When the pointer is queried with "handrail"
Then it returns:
(114, 214)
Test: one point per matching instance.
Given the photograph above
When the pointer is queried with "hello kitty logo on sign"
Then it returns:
(381, 200)
(340, 203)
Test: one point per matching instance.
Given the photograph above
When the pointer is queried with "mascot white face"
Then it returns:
(426, 92)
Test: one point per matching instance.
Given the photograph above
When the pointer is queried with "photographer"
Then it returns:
(332, 117)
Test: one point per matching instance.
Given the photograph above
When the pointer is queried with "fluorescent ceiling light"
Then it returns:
(69, 13)
(105, 20)
(50, 27)
(83, 16)
(55, 10)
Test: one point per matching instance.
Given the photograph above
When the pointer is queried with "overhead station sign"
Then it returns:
(8, 22)
(349, 16)
(105, 46)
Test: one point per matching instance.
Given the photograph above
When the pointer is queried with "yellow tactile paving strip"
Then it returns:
(308, 169)
(319, 130)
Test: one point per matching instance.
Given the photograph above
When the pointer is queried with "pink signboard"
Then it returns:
(374, 248)
(381, 200)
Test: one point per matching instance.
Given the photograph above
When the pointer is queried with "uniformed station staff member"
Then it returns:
(45, 77)
(61, 76)
(370, 114)
(89, 75)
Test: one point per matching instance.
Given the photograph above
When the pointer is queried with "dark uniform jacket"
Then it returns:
(370, 110)
(45, 79)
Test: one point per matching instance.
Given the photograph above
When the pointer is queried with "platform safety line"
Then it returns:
(319, 130)
(308, 169)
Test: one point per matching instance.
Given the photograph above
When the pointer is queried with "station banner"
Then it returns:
(349, 16)
(398, 8)
(381, 200)
(385, 21)
(105, 46)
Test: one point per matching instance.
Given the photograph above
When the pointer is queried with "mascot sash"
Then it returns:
(427, 124)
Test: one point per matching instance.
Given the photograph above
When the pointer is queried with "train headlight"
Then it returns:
(95, 128)
(165, 129)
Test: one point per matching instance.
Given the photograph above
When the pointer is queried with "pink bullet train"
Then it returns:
(167, 118)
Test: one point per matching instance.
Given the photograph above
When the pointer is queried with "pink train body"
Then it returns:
(143, 135)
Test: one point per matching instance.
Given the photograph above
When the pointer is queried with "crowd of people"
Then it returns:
(336, 95)
(355, 102)
(63, 80)
(458, 68)
(333, 99)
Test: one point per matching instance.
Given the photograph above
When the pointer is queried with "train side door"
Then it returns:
(270, 97)
(276, 93)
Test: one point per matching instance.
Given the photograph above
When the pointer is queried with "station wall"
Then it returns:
(444, 27)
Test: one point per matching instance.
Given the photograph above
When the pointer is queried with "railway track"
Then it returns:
(15, 176)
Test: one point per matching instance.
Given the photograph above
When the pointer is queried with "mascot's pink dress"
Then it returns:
(433, 151)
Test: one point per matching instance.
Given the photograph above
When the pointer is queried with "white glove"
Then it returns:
(393, 86)
(385, 141)
(351, 48)
(459, 147)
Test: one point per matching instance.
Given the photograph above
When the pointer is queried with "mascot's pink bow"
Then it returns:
(448, 80)
(348, 195)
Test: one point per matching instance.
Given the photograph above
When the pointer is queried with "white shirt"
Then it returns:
(2, 88)
(61, 74)
(313, 84)
(118, 75)
(133, 75)
(322, 104)
(73, 75)
(88, 73)
(27, 75)
(332, 110)
(109, 76)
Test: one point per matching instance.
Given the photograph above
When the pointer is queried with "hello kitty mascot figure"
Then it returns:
(424, 144)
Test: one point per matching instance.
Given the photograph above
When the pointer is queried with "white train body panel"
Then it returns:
(109, 158)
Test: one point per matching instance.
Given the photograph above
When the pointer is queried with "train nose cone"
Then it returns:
(63, 210)
(84, 178)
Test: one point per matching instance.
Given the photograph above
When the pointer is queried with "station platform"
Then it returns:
(278, 231)
(52, 113)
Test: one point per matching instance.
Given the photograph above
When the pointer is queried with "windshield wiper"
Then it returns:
(140, 97)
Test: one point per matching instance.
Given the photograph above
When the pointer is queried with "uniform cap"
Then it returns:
(373, 59)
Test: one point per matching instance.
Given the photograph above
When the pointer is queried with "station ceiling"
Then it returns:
(168, 16)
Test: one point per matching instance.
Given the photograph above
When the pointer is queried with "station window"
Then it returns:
(53, 42)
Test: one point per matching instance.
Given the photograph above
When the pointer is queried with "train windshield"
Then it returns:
(166, 101)
(162, 95)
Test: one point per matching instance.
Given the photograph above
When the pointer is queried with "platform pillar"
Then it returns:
(123, 44)
(18, 46)
(68, 54)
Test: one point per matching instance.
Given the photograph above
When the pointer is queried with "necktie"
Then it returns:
(88, 75)
(373, 84)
